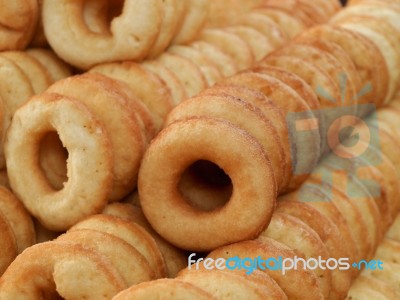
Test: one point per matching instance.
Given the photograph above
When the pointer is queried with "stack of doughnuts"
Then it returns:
(289, 83)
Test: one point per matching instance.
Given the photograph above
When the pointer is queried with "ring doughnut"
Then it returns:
(51, 269)
(86, 141)
(130, 37)
(18, 21)
(163, 204)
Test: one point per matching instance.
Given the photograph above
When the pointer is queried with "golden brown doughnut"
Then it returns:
(58, 210)
(163, 204)
(60, 269)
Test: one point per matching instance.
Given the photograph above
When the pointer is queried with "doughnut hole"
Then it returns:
(205, 186)
(98, 14)
(53, 160)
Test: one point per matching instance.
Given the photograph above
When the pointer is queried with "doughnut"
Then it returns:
(389, 273)
(240, 113)
(8, 244)
(18, 218)
(329, 234)
(116, 111)
(298, 236)
(177, 90)
(225, 13)
(130, 37)
(386, 38)
(14, 90)
(194, 18)
(55, 66)
(188, 73)
(131, 233)
(232, 44)
(129, 263)
(162, 203)
(291, 25)
(275, 35)
(173, 18)
(148, 87)
(361, 51)
(175, 259)
(60, 269)
(296, 284)
(304, 154)
(58, 210)
(259, 44)
(168, 289)
(35, 71)
(207, 67)
(270, 111)
(225, 64)
(18, 21)
(220, 284)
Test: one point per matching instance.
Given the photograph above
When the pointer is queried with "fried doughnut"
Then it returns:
(8, 244)
(194, 18)
(232, 44)
(58, 210)
(18, 218)
(389, 274)
(147, 87)
(131, 233)
(389, 250)
(304, 154)
(275, 35)
(288, 23)
(361, 51)
(129, 263)
(116, 111)
(386, 38)
(60, 269)
(225, 64)
(370, 288)
(303, 240)
(130, 36)
(189, 73)
(175, 259)
(168, 289)
(54, 65)
(296, 284)
(330, 235)
(259, 44)
(174, 12)
(35, 71)
(177, 90)
(207, 67)
(240, 113)
(18, 22)
(163, 204)
(15, 89)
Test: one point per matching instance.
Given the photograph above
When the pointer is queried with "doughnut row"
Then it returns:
(276, 120)
(16, 228)
(216, 53)
(117, 249)
(86, 33)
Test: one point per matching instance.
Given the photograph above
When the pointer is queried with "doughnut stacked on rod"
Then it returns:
(337, 75)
